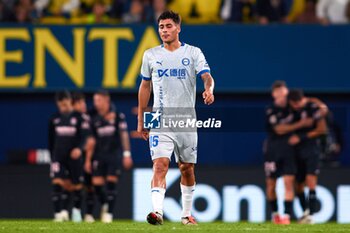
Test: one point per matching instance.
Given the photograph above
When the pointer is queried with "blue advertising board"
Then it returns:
(242, 58)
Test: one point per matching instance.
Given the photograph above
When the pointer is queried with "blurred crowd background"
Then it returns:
(192, 11)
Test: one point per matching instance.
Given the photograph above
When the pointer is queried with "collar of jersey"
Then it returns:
(182, 44)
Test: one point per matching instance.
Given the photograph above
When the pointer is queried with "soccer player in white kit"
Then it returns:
(171, 69)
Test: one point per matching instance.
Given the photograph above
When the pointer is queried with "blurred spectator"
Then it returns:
(6, 14)
(9, 4)
(197, 11)
(99, 13)
(157, 8)
(238, 10)
(23, 10)
(309, 13)
(295, 9)
(332, 11)
(117, 9)
(57, 7)
(86, 6)
(272, 11)
(135, 14)
(348, 11)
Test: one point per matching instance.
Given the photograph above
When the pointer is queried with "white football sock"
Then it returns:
(157, 199)
(187, 199)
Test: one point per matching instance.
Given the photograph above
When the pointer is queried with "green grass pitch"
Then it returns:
(46, 226)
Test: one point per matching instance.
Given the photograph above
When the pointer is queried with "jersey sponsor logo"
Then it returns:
(185, 61)
(178, 73)
(108, 130)
(85, 125)
(65, 130)
(162, 73)
(151, 120)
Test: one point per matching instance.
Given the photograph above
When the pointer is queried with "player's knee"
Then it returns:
(299, 188)
(98, 181)
(270, 184)
(289, 183)
(270, 191)
(187, 170)
(311, 181)
(289, 188)
(160, 168)
(270, 188)
(113, 179)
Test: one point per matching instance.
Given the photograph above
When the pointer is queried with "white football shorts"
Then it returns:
(183, 144)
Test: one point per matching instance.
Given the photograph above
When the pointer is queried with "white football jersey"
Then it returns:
(173, 74)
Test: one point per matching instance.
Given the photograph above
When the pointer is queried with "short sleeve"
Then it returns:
(271, 117)
(200, 63)
(122, 125)
(316, 112)
(86, 125)
(145, 68)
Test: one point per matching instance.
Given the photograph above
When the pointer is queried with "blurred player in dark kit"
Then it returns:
(112, 152)
(307, 148)
(279, 155)
(67, 139)
(79, 105)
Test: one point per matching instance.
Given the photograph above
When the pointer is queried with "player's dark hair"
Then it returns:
(295, 95)
(62, 95)
(278, 84)
(77, 96)
(170, 15)
(103, 92)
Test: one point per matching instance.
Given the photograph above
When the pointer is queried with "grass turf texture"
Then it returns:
(38, 226)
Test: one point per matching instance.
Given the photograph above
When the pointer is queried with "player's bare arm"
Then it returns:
(127, 159)
(321, 129)
(143, 98)
(282, 129)
(208, 94)
(323, 107)
(89, 149)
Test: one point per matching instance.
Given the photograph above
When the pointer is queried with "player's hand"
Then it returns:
(208, 97)
(87, 166)
(75, 153)
(142, 131)
(307, 122)
(127, 163)
(294, 140)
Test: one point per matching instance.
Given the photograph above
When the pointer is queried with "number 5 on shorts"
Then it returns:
(153, 141)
